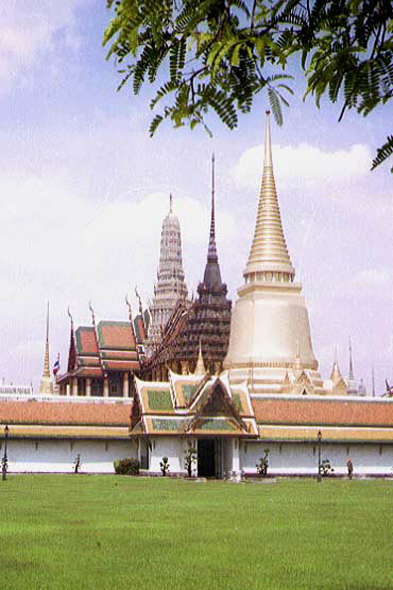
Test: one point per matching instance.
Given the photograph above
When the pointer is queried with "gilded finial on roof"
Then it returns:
(140, 301)
(170, 203)
(336, 373)
(92, 313)
(129, 307)
(200, 367)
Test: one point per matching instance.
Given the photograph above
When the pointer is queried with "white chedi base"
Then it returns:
(270, 336)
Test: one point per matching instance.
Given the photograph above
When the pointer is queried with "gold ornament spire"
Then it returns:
(200, 367)
(269, 256)
(336, 373)
(46, 385)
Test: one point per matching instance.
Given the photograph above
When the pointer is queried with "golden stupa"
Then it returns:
(270, 342)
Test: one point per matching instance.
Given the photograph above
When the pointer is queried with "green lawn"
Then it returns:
(115, 532)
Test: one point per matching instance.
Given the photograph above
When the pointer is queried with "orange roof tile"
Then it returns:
(116, 335)
(86, 341)
(322, 411)
(64, 413)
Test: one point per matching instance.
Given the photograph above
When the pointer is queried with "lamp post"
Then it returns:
(4, 461)
(319, 479)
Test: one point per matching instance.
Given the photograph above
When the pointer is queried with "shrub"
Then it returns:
(126, 467)
(326, 468)
(164, 466)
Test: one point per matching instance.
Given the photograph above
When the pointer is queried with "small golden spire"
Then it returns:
(46, 385)
(336, 373)
(200, 367)
(269, 252)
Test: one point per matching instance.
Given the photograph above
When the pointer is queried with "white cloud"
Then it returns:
(304, 162)
(63, 242)
(28, 30)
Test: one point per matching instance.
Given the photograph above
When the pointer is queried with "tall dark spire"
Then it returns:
(212, 277)
(212, 250)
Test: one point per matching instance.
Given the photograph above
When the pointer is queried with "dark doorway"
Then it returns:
(206, 457)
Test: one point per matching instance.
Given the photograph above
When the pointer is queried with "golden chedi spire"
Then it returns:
(46, 385)
(269, 252)
(200, 366)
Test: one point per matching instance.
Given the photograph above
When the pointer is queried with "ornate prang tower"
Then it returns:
(270, 331)
(46, 385)
(170, 285)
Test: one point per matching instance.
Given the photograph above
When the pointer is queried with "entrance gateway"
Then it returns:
(211, 454)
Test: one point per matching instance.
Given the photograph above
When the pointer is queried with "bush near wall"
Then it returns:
(126, 467)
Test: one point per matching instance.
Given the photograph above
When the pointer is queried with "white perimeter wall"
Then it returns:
(302, 458)
(59, 455)
(286, 458)
(173, 448)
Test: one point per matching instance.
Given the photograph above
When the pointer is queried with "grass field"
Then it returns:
(104, 532)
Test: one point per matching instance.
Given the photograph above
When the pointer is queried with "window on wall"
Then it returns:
(115, 384)
(97, 387)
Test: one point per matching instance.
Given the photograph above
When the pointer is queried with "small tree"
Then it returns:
(263, 463)
(326, 468)
(164, 466)
(77, 463)
(190, 457)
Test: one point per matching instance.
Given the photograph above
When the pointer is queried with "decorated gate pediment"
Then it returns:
(216, 412)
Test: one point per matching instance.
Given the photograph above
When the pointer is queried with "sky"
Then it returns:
(84, 191)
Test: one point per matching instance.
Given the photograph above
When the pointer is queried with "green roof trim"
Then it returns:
(167, 425)
(188, 391)
(216, 425)
(160, 399)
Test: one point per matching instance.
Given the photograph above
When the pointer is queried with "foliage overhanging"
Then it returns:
(217, 55)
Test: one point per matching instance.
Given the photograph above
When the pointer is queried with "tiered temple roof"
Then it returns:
(111, 346)
(102, 357)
